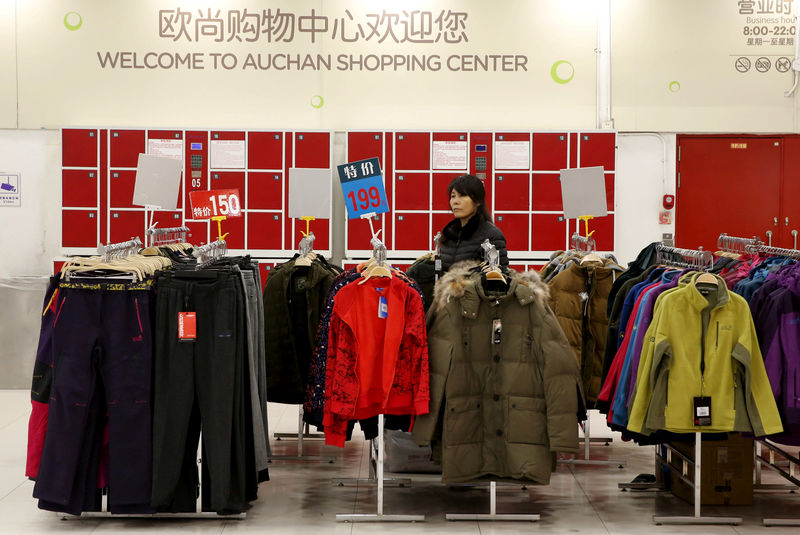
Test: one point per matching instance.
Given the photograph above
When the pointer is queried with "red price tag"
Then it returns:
(187, 326)
(215, 202)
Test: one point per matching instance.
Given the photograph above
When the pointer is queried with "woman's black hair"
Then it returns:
(471, 186)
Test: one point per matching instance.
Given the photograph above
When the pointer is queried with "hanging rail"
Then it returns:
(775, 251)
(119, 250)
(736, 244)
(210, 251)
(678, 257)
(162, 236)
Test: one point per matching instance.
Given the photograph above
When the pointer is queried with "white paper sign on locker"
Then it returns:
(226, 154)
(166, 148)
(512, 155)
(450, 155)
(310, 193)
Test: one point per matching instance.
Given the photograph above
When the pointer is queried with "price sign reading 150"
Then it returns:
(362, 185)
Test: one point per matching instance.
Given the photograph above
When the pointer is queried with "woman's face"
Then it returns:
(463, 206)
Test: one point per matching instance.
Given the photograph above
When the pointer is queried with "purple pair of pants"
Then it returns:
(102, 368)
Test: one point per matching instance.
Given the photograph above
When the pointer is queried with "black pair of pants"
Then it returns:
(198, 385)
(102, 363)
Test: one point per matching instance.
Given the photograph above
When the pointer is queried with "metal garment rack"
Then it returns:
(587, 448)
(160, 236)
(379, 516)
(775, 251)
(114, 251)
(792, 474)
(492, 514)
(303, 434)
(691, 258)
(582, 243)
(736, 244)
(696, 484)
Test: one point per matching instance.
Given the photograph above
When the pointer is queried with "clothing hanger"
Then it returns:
(591, 257)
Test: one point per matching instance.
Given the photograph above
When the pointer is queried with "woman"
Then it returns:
(462, 237)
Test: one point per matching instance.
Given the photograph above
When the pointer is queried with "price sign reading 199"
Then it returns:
(362, 185)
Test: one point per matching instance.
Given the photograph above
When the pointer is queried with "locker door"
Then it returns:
(603, 228)
(122, 184)
(124, 225)
(358, 233)
(609, 191)
(549, 232)
(441, 200)
(167, 219)
(312, 150)
(79, 147)
(320, 228)
(264, 190)
(790, 195)
(79, 228)
(515, 229)
(411, 191)
(440, 220)
(413, 151)
(234, 226)
(598, 149)
(265, 230)
(363, 145)
(411, 232)
(265, 150)
(547, 192)
(230, 180)
(79, 188)
(549, 151)
(125, 147)
(726, 184)
(198, 232)
(504, 137)
(511, 191)
(573, 150)
(265, 268)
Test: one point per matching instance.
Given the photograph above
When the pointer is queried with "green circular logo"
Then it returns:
(317, 101)
(562, 72)
(674, 86)
(73, 20)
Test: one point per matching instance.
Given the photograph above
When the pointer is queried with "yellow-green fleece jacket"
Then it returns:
(702, 342)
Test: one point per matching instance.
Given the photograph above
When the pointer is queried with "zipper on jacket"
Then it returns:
(716, 343)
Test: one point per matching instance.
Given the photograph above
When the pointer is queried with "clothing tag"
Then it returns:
(383, 308)
(702, 410)
(437, 265)
(187, 326)
(497, 328)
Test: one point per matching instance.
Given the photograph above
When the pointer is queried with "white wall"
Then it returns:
(31, 233)
(645, 173)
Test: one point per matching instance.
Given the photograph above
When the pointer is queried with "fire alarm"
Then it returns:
(669, 202)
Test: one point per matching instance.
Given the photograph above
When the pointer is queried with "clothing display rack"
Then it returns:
(694, 483)
(492, 514)
(161, 236)
(775, 251)
(736, 244)
(119, 250)
(792, 475)
(207, 253)
(379, 255)
(677, 257)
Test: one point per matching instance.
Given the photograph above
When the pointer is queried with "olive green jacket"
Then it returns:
(498, 410)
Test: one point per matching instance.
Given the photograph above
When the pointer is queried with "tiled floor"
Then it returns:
(301, 498)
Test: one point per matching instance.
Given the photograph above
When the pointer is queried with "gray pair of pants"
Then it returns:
(255, 324)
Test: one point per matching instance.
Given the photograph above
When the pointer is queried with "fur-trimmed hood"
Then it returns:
(461, 282)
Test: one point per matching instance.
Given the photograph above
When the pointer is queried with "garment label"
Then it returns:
(702, 410)
(187, 326)
(497, 329)
(383, 308)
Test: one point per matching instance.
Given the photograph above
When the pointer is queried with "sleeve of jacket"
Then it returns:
(562, 384)
(761, 406)
(415, 327)
(646, 375)
(441, 346)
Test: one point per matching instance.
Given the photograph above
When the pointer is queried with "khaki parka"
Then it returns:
(501, 404)
(579, 298)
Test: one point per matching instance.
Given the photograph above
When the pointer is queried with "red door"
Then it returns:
(727, 184)
(790, 195)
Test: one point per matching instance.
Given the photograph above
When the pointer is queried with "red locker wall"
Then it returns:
(125, 147)
(79, 147)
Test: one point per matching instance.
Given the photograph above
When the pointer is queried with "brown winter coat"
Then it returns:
(498, 410)
(578, 298)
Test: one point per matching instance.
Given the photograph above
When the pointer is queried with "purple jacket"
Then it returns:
(779, 318)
